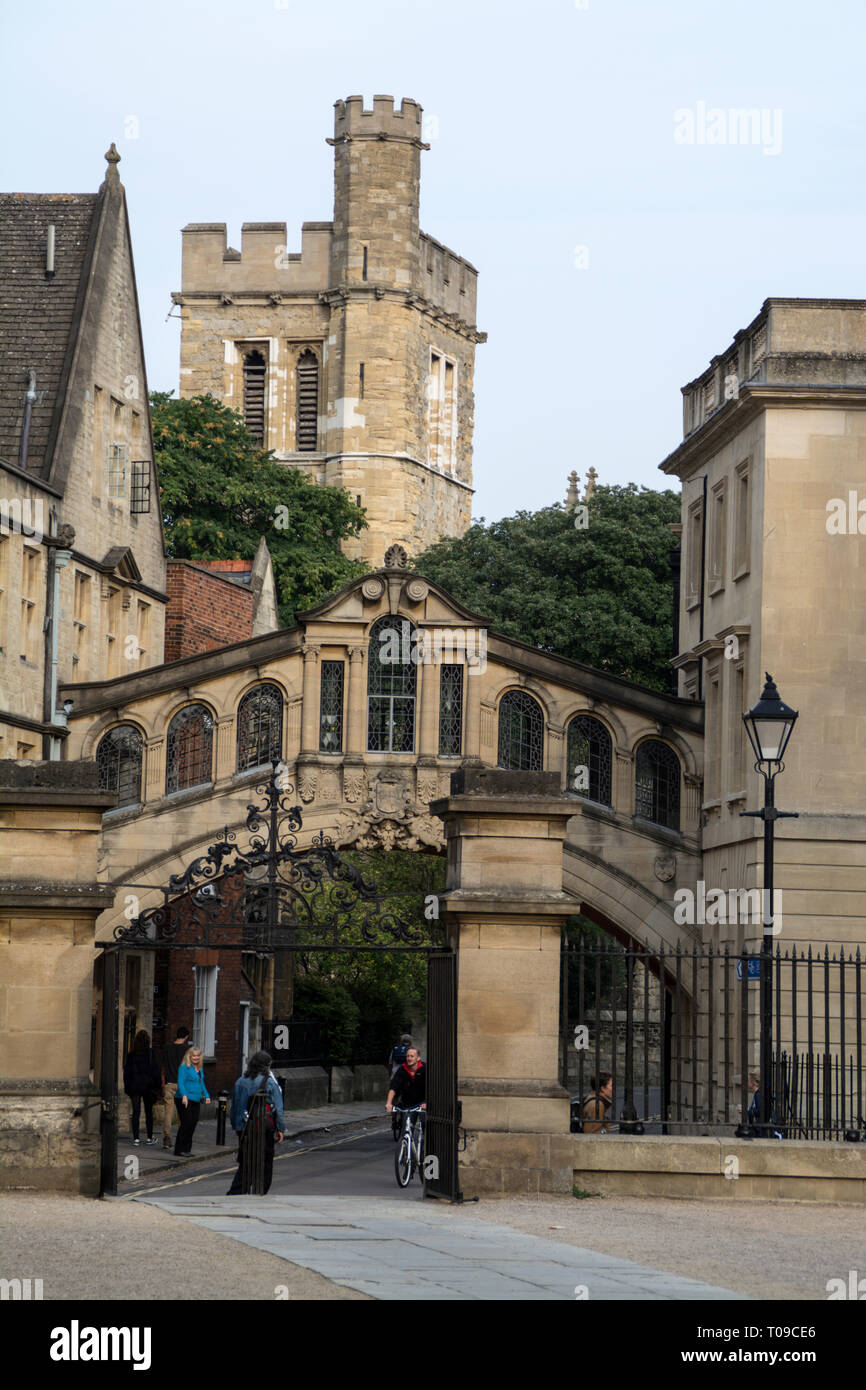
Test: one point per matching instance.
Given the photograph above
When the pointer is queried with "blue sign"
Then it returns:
(754, 968)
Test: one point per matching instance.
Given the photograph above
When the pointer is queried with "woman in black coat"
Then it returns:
(142, 1081)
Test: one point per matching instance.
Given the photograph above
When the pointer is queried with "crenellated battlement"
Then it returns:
(263, 262)
(353, 121)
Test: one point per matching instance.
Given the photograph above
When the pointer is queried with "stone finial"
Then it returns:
(573, 496)
(113, 159)
(590, 484)
(396, 558)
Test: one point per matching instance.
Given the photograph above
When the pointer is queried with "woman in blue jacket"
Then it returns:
(191, 1091)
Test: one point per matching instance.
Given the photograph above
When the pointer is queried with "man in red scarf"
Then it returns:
(409, 1083)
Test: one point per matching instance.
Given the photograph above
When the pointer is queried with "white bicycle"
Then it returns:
(409, 1158)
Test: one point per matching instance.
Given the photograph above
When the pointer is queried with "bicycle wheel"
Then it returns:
(403, 1161)
(420, 1151)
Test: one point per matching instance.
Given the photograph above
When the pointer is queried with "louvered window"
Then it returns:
(307, 429)
(255, 369)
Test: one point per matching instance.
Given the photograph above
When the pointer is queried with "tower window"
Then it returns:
(255, 368)
(364, 267)
(307, 424)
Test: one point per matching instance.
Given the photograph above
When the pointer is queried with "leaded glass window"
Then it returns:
(260, 727)
(391, 685)
(450, 710)
(588, 752)
(657, 784)
(331, 708)
(521, 732)
(119, 759)
(189, 749)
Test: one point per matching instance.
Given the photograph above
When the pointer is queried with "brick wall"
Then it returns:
(205, 609)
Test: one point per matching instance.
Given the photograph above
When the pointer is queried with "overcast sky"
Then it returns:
(576, 160)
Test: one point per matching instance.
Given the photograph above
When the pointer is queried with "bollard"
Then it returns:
(222, 1107)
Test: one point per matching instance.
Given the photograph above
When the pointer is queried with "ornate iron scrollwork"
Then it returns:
(269, 895)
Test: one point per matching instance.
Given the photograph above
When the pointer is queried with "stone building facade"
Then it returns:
(772, 463)
(353, 358)
(82, 561)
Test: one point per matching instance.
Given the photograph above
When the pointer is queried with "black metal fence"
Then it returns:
(678, 1031)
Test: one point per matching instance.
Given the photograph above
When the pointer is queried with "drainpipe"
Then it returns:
(58, 558)
(29, 402)
(703, 583)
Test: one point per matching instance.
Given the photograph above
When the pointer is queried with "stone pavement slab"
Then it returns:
(425, 1250)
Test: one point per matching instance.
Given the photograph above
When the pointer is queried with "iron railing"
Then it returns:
(678, 1030)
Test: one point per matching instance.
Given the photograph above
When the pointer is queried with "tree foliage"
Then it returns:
(602, 595)
(221, 493)
(365, 999)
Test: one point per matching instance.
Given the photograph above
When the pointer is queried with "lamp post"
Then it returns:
(769, 725)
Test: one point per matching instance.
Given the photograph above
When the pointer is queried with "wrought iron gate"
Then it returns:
(271, 897)
(443, 1107)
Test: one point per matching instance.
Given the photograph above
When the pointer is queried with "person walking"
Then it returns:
(141, 1082)
(397, 1055)
(172, 1055)
(191, 1092)
(258, 1077)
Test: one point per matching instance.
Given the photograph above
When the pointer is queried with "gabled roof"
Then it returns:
(120, 561)
(40, 317)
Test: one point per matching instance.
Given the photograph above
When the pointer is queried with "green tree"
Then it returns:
(387, 990)
(221, 493)
(601, 595)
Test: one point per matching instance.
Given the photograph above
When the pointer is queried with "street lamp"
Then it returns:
(769, 725)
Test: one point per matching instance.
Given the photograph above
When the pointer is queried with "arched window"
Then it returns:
(255, 369)
(657, 784)
(521, 732)
(391, 684)
(189, 749)
(260, 727)
(588, 754)
(307, 415)
(119, 758)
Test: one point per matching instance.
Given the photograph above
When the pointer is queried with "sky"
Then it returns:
(583, 158)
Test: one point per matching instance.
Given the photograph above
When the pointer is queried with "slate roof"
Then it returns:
(39, 318)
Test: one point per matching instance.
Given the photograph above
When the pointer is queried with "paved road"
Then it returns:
(353, 1165)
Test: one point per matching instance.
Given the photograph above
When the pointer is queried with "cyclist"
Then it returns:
(408, 1084)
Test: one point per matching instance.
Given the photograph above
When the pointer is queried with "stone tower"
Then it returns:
(354, 359)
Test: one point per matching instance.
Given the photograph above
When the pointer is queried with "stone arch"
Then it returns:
(106, 722)
(665, 734)
(620, 903)
(604, 714)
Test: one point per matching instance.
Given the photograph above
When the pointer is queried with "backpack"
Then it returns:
(399, 1053)
(270, 1112)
